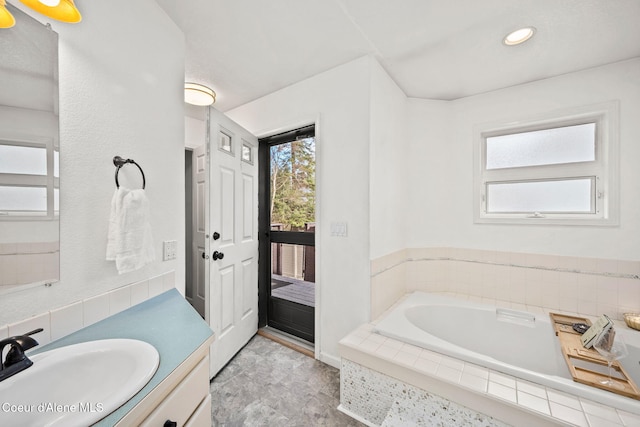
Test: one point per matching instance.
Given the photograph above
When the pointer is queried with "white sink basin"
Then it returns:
(77, 385)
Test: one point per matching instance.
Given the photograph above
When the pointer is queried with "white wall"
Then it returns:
(338, 100)
(388, 165)
(195, 126)
(441, 166)
(121, 93)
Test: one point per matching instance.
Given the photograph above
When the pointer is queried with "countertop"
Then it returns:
(167, 321)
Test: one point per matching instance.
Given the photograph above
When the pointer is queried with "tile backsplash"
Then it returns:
(22, 263)
(68, 319)
(586, 286)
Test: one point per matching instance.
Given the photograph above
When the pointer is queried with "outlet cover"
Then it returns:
(170, 248)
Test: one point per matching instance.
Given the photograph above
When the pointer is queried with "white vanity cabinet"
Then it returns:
(182, 397)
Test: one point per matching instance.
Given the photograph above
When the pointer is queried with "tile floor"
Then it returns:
(268, 384)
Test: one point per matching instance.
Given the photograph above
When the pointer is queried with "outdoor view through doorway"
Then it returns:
(288, 220)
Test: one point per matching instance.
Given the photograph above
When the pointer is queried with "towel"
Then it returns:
(129, 240)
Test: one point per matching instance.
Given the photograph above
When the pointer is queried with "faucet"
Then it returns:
(15, 360)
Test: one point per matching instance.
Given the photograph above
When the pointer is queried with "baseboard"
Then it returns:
(330, 360)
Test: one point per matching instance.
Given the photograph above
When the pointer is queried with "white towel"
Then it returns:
(129, 242)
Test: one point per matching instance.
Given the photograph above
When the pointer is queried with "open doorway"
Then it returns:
(287, 222)
(195, 215)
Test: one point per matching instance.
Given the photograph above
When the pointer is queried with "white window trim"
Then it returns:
(49, 181)
(605, 168)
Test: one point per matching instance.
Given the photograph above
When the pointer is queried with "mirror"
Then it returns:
(29, 155)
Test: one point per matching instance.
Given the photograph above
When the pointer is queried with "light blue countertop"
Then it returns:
(166, 321)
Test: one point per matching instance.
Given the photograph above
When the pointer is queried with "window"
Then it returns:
(559, 169)
(29, 179)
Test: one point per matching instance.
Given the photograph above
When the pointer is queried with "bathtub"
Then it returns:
(517, 343)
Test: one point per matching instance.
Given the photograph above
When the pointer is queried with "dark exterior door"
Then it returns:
(287, 232)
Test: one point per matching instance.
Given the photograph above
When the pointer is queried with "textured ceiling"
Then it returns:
(437, 49)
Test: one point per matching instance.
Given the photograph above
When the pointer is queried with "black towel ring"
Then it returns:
(119, 162)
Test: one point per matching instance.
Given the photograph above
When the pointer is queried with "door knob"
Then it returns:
(205, 256)
(217, 255)
(216, 235)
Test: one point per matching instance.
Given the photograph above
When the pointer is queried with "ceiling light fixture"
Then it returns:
(60, 10)
(197, 94)
(519, 36)
(6, 18)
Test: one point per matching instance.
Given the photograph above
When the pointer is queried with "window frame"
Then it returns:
(49, 181)
(604, 169)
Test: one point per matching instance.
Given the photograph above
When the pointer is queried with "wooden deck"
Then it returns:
(294, 290)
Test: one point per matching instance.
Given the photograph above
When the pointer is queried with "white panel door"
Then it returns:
(233, 211)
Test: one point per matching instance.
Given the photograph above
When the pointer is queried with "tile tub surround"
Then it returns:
(504, 397)
(388, 402)
(25, 263)
(586, 286)
(73, 317)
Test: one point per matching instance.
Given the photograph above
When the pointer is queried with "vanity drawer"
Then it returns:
(181, 403)
(202, 416)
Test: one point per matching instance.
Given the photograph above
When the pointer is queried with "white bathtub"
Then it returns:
(514, 342)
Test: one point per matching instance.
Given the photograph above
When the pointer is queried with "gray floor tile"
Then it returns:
(268, 384)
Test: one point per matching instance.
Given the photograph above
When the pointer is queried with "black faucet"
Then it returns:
(15, 360)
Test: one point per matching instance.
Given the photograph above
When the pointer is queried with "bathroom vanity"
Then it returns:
(178, 393)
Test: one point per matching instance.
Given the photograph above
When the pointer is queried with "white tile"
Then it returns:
(474, 382)
(386, 352)
(367, 327)
(448, 373)
(607, 290)
(119, 300)
(377, 338)
(156, 286)
(628, 419)
(531, 388)
(369, 345)
(452, 363)
(430, 355)
(426, 365)
(95, 309)
(352, 339)
(394, 343)
(408, 348)
(405, 358)
(41, 321)
(502, 391)
(600, 411)
(66, 320)
(564, 399)
(139, 292)
(506, 380)
(569, 415)
(601, 422)
(534, 403)
(169, 280)
(478, 371)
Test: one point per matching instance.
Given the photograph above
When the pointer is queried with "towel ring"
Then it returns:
(119, 162)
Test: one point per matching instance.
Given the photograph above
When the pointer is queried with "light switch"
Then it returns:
(339, 229)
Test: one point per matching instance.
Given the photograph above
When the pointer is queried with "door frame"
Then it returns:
(264, 270)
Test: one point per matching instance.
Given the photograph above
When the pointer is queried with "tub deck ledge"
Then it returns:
(503, 397)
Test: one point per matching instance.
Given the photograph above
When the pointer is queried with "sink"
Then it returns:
(78, 384)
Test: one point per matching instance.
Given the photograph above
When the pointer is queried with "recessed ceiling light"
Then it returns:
(519, 36)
